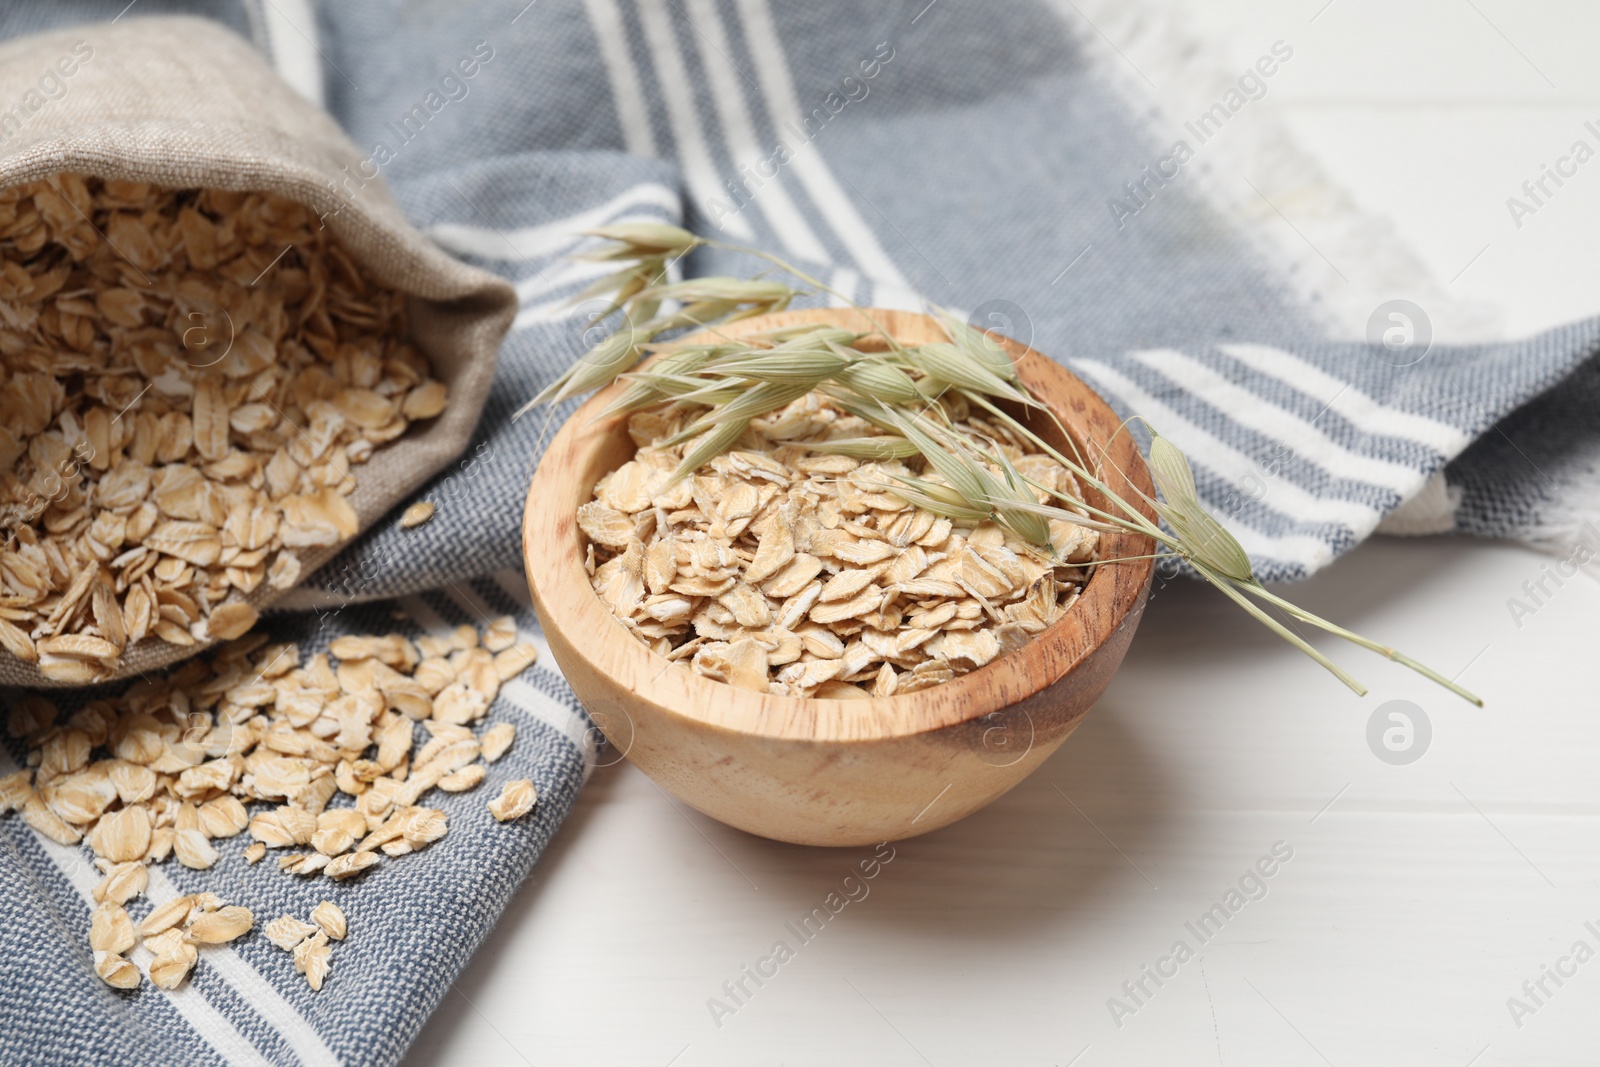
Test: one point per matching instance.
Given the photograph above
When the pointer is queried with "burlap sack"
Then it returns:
(183, 103)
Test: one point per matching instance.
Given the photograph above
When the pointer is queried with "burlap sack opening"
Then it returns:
(184, 103)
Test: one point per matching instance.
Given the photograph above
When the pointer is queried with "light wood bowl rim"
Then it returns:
(553, 555)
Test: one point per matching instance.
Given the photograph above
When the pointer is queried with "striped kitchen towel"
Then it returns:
(1169, 245)
(1150, 226)
(413, 924)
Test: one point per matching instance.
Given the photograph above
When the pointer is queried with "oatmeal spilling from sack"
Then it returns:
(191, 380)
(782, 567)
(166, 769)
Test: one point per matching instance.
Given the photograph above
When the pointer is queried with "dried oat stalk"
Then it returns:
(913, 398)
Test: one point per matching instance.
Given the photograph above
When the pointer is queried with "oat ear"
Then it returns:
(1205, 539)
(914, 393)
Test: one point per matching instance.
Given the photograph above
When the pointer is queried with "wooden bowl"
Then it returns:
(835, 772)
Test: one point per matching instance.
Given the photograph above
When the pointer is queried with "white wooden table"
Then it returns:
(1418, 898)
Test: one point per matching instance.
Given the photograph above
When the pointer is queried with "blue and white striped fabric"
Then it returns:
(1007, 160)
(978, 159)
(413, 923)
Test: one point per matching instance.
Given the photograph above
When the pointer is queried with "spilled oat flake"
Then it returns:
(786, 569)
(191, 380)
(317, 759)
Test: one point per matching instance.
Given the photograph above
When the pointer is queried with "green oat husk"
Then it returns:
(902, 392)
